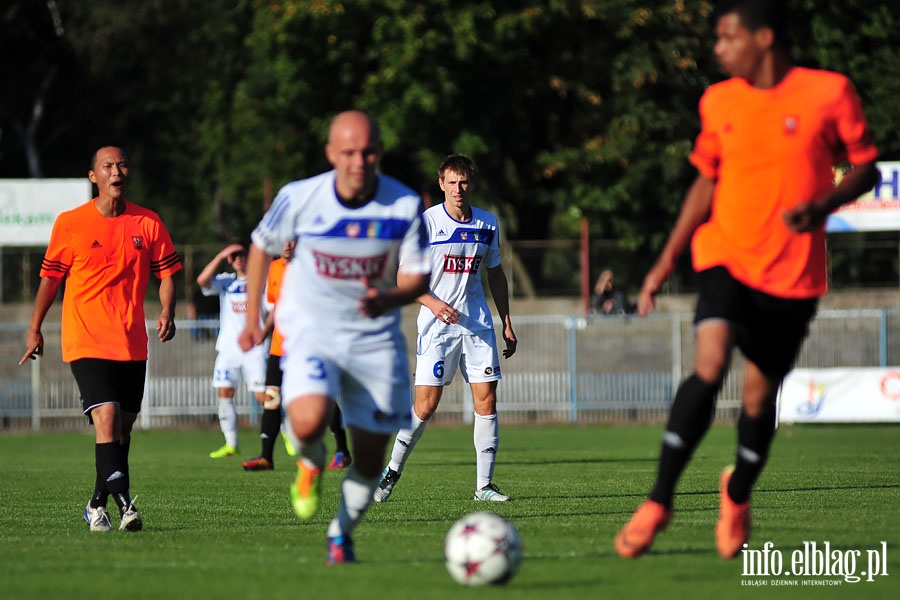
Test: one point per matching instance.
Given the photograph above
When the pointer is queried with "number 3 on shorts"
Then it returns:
(316, 368)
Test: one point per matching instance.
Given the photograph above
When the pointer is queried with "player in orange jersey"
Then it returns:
(106, 250)
(770, 138)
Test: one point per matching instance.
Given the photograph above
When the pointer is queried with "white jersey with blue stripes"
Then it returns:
(232, 292)
(459, 252)
(338, 246)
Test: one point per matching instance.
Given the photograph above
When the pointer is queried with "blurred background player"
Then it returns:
(608, 299)
(755, 217)
(271, 420)
(342, 457)
(339, 312)
(456, 330)
(232, 364)
(106, 250)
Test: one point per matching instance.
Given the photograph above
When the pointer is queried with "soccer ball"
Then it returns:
(482, 548)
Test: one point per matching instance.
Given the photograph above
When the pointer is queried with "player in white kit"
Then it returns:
(232, 364)
(456, 330)
(339, 313)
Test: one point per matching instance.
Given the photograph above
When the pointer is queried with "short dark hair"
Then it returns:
(241, 241)
(458, 163)
(101, 147)
(755, 14)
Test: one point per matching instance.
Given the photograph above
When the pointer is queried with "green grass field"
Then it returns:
(214, 531)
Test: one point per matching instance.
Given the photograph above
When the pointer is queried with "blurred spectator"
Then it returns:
(607, 299)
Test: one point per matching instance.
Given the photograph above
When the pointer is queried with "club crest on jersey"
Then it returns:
(349, 267)
(138, 242)
(790, 124)
(461, 264)
(352, 230)
(374, 229)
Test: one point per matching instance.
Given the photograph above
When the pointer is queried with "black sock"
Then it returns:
(755, 437)
(124, 450)
(340, 434)
(689, 419)
(101, 491)
(269, 425)
(111, 468)
(123, 501)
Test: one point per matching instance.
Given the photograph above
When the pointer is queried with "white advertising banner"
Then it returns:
(840, 396)
(28, 207)
(879, 210)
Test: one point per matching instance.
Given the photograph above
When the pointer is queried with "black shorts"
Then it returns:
(274, 374)
(102, 381)
(769, 330)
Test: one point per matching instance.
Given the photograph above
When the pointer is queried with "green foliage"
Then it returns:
(571, 108)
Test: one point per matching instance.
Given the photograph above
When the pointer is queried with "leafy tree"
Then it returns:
(571, 108)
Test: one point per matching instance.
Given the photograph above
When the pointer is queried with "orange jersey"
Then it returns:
(107, 265)
(769, 150)
(273, 290)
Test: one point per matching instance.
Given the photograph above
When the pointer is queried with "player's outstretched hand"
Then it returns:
(444, 312)
(372, 303)
(165, 327)
(230, 249)
(251, 336)
(34, 346)
(509, 337)
(652, 284)
(804, 217)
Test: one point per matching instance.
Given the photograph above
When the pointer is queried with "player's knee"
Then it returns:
(272, 398)
(757, 407)
(486, 406)
(711, 372)
(425, 407)
(424, 413)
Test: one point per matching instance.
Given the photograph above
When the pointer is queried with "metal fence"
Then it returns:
(566, 369)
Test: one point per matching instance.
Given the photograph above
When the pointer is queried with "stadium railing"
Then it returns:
(566, 369)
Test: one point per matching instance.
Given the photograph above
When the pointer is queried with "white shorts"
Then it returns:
(371, 383)
(232, 367)
(441, 354)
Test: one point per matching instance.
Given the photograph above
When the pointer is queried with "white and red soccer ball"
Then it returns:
(482, 548)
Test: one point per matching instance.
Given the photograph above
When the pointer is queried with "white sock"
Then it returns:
(356, 496)
(405, 441)
(487, 440)
(228, 421)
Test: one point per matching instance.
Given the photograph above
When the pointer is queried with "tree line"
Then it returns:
(571, 109)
